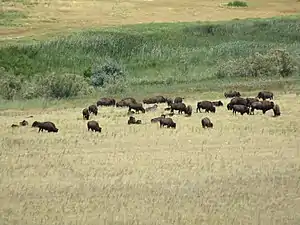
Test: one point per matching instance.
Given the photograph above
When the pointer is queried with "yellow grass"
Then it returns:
(49, 17)
(244, 171)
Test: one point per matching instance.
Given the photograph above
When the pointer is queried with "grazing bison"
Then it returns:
(151, 108)
(241, 109)
(93, 109)
(206, 123)
(48, 126)
(132, 120)
(157, 119)
(167, 122)
(207, 105)
(251, 100)
(106, 102)
(23, 123)
(276, 110)
(264, 106)
(188, 110)
(181, 107)
(86, 113)
(169, 101)
(137, 107)
(217, 103)
(265, 95)
(178, 100)
(238, 101)
(125, 102)
(156, 99)
(232, 94)
(94, 126)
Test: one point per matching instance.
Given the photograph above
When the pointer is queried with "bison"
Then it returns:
(48, 126)
(85, 113)
(169, 101)
(157, 119)
(207, 105)
(151, 108)
(217, 103)
(232, 94)
(181, 107)
(137, 107)
(265, 95)
(23, 123)
(241, 109)
(276, 110)
(93, 109)
(189, 110)
(178, 100)
(125, 102)
(94, 126)
(264, 106)
(206, 123)
(132, 120)
(106, 102)
(251, 100)
(167, 122)
(156, 99)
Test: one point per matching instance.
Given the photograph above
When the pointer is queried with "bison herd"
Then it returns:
(237, 104)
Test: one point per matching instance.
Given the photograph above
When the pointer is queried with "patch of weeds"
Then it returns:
(8, 18)
(237, 4)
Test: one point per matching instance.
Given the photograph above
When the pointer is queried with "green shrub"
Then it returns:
(276, 62)
(237, 4)
(10, 85)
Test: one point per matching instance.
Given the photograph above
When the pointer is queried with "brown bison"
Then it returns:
(178, 100)
(238, 101)
(156, 99)
(132, 120)
(181, 107)
(157, 119)
(85, 113)
(207, 105)
(251, 100)
(241, 109)
(217, 103)
(106, 102)
(169, 101)
(189, 110)
(264, 106)
(23, 123)
(137, 107)
(151, 108)
(167, 122)
(276, 110)
(94, 126)
(48, 126)
(232, 94)
(265, 95)
(125, 102)
(93, 109)
(206, 123)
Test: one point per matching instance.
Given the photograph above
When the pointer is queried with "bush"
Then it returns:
(10, 85)
(274, 63)
(237, 4)
(62, 86)
(108, 73)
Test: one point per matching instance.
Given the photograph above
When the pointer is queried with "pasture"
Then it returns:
(243, 171)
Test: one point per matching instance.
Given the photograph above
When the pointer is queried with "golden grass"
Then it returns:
(56, 16)
(244, 171)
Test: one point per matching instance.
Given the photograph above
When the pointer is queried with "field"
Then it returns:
(54, 57)
(244, 171)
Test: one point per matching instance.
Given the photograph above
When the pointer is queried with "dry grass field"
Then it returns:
(244, 171)
(35, 18)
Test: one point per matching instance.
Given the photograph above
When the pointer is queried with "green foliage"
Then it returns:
(237, 4)
(276, 62)
(161, 55)
(10, 85)
(9, 18)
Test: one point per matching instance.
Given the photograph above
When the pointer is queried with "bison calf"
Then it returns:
(48, 126)
(206, 123)
(86, 113)
(167, 122)
(94, 126)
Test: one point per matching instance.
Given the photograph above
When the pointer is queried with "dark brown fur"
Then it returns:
(189, 110)
(276, 110)
(125, 102)
(206, 123)
(106, 102)
(86, 114)
(137, 107)
(264, 106)
(23, 123)
(241, 109)
(93, 109)
(157, 119)
(132, 120)
(265, 95)
(94, 126)
(178, 100)
(207, 105)
(156, 99)
(48, 126)
(180, 107)
(167, 122)
(217, 103)
(232, 94)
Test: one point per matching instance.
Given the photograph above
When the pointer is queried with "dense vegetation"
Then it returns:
(118, 59)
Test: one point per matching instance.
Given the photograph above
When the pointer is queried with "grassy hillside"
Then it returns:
(154, 56)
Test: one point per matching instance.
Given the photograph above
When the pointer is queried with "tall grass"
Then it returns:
(155, 54)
